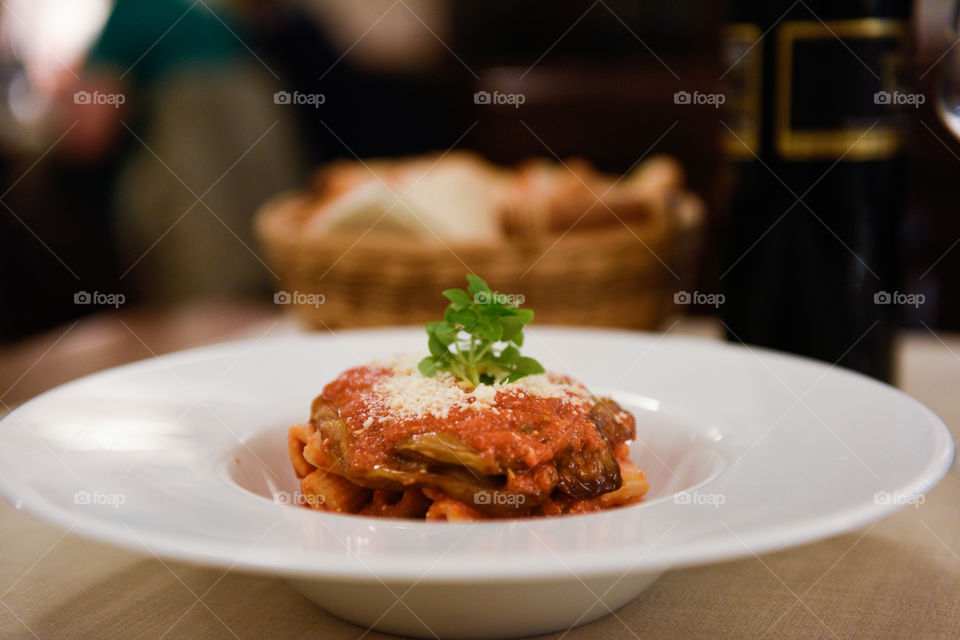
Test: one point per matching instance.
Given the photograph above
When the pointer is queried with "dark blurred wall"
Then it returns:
(598, 81)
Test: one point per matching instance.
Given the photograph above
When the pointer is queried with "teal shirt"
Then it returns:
(147, 40)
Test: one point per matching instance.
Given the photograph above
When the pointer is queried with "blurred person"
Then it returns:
(53, 222)
(172, 90)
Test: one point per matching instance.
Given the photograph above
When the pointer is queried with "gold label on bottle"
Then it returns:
(833, 82)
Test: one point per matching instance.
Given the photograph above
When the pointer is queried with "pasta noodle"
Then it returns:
(634, 487)
(446, 509)
(326, 490)
(297, 438)
(409, 503)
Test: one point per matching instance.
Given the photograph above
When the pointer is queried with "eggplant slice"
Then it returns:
(610, 420)
(587, 475)
(446, 448)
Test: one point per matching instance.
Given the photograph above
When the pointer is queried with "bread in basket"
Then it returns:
(370, 243)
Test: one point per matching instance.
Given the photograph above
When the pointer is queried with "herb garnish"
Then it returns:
(479, 338)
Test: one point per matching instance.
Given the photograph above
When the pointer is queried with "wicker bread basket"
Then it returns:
(617, 275)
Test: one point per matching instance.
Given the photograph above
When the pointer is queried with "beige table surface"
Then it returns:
(897, 578)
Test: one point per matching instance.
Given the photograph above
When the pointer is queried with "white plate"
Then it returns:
(747, 451)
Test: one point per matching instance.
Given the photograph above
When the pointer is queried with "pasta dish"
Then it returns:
(400, 439)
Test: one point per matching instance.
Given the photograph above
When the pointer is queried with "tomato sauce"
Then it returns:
(519, 430)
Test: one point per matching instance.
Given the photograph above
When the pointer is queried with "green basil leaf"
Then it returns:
(524, 315)
(458, 297)
(443, 332)
(437, 348)
(492, 331)
(511, 326)
(427, 367)
(528, 366)
(466, 318)
(476, 285)
(524, 367)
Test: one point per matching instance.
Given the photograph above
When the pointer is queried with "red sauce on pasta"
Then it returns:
(518, 429)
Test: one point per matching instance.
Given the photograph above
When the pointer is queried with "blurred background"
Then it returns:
(138, 139)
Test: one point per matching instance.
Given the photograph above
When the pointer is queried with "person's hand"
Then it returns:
(91, 113)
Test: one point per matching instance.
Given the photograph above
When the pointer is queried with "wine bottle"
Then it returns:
(813, 136)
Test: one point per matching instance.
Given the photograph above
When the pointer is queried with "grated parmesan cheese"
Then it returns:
(409, 394)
